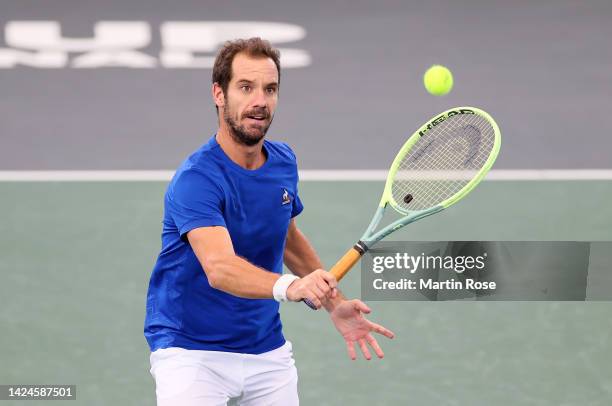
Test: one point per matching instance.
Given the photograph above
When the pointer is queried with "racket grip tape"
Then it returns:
(349, 259)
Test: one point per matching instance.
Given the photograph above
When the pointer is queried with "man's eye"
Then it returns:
(245, 88)
(271, 90)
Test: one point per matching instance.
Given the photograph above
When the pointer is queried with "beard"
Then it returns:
(251, 135)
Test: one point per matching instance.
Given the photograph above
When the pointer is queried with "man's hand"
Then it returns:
(353, 326)
(316, 287)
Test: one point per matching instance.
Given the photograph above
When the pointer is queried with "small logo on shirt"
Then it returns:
(286, 197)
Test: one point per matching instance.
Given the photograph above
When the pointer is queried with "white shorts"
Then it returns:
(192, 377)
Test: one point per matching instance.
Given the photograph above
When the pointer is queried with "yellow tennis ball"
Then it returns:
(438, 80)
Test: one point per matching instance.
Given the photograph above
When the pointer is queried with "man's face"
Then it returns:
(251, 97)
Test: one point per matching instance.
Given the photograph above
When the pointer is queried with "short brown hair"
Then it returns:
(222, 70)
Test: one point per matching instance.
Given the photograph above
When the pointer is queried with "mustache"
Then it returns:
(257, 112)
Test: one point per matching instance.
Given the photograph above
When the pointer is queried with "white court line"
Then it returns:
(87, 176)
(305, 175)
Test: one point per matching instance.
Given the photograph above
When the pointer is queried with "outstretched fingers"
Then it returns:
(362, 307)
(374, 344)
(364, 349)
(377, 328)
(350, 347)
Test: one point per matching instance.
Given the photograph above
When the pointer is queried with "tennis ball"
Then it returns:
(438, 80)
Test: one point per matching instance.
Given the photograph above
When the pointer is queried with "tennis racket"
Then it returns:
(440, 164)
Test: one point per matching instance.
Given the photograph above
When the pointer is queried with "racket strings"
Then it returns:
(442, 162)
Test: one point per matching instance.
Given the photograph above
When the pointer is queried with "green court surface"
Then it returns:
(75, 259)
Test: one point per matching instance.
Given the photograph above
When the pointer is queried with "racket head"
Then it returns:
(436, 167)
(442, 162)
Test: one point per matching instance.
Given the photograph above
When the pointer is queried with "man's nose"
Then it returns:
(259, 98)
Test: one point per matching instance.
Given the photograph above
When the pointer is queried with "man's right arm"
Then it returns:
(232, 274)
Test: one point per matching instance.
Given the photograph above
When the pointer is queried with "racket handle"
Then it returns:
(309, 304)
(345, 263)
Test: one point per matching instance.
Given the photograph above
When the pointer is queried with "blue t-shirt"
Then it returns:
(255, 206)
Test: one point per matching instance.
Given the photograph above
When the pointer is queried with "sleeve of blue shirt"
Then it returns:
(195, 200)
(297, 205)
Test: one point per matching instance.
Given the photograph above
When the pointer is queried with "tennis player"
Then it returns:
(212, 317)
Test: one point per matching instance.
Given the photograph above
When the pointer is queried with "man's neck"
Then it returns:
(248, 157)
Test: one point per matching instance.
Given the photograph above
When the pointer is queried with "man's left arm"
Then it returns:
(301, 259)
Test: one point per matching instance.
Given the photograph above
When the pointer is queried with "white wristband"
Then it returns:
(279, 291)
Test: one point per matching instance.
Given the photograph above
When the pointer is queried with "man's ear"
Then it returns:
(217, 94)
